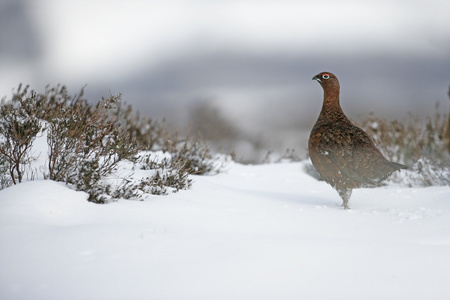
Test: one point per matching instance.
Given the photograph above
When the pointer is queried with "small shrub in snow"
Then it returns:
(195, 156)
(426, 173)
(421, 144)
(88, 179)
(288, 156)
(79, 132)
(161, 177)
(169, 173)
(87, 144)
(147, 134)
(19, 126)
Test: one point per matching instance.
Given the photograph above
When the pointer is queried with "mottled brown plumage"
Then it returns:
(343, 154)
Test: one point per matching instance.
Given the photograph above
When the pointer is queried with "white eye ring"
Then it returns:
(325, 76)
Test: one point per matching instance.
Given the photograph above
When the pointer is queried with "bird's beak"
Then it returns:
(317, 77)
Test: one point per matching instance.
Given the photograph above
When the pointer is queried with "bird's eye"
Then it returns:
(325, 76)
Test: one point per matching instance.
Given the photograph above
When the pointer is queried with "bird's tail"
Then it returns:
(397, 166)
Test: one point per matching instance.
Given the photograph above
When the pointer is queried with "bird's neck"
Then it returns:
(331, 109)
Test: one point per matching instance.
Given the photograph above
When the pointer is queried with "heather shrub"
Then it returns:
(87, 144)
(192, 150)
(422, 144)
(147, 134)
(288, 156)
(78, 132)
(196, 156)
(19, 126)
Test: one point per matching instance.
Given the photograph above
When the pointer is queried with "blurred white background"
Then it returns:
(252, 59)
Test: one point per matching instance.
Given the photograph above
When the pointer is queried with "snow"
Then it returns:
(251, 232)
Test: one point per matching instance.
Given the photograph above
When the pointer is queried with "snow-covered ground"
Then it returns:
(251, 232)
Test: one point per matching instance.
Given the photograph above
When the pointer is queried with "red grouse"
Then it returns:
(343, 154)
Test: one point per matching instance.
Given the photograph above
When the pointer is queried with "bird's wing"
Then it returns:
(353, 152)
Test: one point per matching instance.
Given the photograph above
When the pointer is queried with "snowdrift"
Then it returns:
(251, 232)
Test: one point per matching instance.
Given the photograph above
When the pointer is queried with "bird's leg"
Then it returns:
(345, 195)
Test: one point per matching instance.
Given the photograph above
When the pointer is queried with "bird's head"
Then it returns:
(327, 79)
